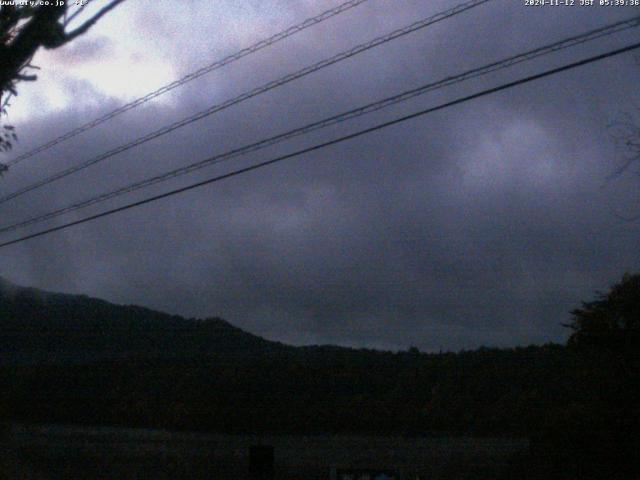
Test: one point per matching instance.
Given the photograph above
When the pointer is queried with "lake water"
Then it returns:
(69, 452)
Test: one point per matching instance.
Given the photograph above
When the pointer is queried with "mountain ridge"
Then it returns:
(40, 326)
(74, 359)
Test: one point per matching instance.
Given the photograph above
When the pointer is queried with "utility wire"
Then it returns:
(191, 76)
(250, 94)
(335, 141)
(348, 115)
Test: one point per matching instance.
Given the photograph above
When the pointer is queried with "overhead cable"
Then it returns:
(348, 115)
(320, 146)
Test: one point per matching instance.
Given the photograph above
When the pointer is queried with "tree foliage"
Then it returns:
(597, 435)
(612, 322)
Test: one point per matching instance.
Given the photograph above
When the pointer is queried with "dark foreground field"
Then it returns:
(61, 452)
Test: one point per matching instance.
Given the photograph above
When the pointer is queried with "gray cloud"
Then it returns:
(85, 50)
(482, 224)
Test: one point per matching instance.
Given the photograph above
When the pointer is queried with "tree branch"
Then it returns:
(9, 17)
(76, 13)
(89, 23)
(41, 29)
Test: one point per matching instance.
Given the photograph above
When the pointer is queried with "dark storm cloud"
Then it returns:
(482, 224)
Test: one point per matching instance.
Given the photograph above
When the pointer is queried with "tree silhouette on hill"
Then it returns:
(596, 434)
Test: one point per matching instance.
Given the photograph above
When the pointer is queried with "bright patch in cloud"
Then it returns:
(521, 153)
(126, 80)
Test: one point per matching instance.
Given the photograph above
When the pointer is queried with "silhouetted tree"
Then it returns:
(611, 324)
(606, 342)
(23, 30)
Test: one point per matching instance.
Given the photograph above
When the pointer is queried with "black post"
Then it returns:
(261, 462)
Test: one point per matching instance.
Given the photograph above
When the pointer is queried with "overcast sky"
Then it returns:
(483, 224)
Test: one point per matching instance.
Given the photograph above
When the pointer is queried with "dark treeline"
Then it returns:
(78, 360)
(313, 389)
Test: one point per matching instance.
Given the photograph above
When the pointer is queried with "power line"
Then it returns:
(250, 94)
(309, 22)
(348, 115)
(329, 143)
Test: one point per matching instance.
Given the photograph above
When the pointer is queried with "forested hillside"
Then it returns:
(77, 359)
(42, 327)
